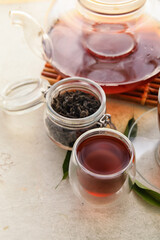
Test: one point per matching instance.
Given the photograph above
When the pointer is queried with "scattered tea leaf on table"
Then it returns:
(128, 128)
(66, 165)
(150, 196)
(154, 194)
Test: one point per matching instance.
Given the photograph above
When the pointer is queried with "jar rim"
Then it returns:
(76, 122)
(107, 132)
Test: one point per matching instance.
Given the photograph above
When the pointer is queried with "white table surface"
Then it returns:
(30, 165)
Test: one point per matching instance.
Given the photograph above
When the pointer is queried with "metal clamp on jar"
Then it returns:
(30, 94)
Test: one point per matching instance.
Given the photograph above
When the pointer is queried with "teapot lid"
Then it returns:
(112, 6)
(23, 96)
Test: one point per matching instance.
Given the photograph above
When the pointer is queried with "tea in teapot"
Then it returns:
(114, 43)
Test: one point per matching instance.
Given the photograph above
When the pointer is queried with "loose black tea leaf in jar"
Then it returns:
(75, 104)
(62, 135)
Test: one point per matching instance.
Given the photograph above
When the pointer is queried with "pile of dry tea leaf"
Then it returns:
(75, 104)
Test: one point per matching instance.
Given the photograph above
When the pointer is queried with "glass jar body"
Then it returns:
(63, 130)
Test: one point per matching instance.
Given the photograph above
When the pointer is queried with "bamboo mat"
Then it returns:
(144, 95)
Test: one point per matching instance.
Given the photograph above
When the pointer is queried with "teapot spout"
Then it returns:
(35, 36)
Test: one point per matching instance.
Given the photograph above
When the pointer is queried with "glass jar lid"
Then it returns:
(23, 96)
(112, 6)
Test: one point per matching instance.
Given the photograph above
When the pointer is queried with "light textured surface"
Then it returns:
(30, 165)
(17, 1)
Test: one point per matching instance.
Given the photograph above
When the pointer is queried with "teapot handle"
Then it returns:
(34, 34)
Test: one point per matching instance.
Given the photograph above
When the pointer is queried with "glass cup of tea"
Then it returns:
(102, 166)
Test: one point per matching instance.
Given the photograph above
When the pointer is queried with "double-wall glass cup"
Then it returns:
(102, 166)
(147, 148)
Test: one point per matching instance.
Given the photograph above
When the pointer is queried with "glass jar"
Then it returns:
(64, 131)
(102, 166)
(30, 94)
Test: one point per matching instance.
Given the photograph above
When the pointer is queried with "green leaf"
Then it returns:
(154, 194)
(150, 196)
(128, 127)
(66, 165)
(130, 182)
(65, 175)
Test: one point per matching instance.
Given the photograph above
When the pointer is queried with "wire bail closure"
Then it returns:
(44, 92)
(106, 120)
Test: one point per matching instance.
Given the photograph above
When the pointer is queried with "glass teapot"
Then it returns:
(116, 43)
